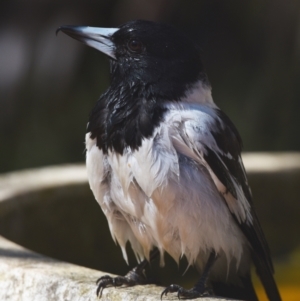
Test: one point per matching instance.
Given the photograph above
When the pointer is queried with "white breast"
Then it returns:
(158, 196)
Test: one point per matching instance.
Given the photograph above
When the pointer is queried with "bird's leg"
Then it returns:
(200, 289)
(133, 277)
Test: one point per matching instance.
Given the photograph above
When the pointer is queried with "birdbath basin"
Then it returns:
(55, 239)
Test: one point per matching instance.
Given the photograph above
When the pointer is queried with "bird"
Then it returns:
(164, 163)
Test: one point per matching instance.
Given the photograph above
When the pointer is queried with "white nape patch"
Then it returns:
(200, 93)
(164, 195)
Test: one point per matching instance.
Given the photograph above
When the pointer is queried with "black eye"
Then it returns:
(135, 45)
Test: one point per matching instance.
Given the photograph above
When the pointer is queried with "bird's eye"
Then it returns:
(135, 46)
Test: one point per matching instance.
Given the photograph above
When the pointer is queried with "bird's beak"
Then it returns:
(99, 38)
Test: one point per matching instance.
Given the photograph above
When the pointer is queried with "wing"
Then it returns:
(208, 136)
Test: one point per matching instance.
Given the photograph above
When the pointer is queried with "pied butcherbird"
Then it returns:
(164, 163)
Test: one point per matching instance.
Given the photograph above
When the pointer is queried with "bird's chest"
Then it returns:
(131, 178)
(138, 173)
(160, 194)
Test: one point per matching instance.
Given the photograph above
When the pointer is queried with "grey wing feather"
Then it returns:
(229, 170)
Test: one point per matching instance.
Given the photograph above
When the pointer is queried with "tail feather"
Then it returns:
(261, 257)
(267, 279)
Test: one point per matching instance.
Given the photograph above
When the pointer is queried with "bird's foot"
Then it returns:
(182, 293)
(133, 277)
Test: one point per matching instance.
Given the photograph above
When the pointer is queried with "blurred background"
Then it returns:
(49, 83)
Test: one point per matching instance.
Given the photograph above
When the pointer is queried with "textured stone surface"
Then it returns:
(28, 276)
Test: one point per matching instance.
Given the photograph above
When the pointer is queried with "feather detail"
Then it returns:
(164, 195)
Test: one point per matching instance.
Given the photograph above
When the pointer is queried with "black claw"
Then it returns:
(170, 289)
(107, 281)
(184, 293)
(102, 283)
(164, 292)
(200, 289)
(99, 291)
(133, 277)
(106, 277)
(179, 293)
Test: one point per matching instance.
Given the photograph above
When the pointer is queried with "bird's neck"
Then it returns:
(123, 117)
(127, 114)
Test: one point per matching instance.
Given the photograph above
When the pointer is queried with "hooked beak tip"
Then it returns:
(57, 31)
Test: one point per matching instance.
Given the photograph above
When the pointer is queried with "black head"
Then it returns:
(151, 63)
(155, 56)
